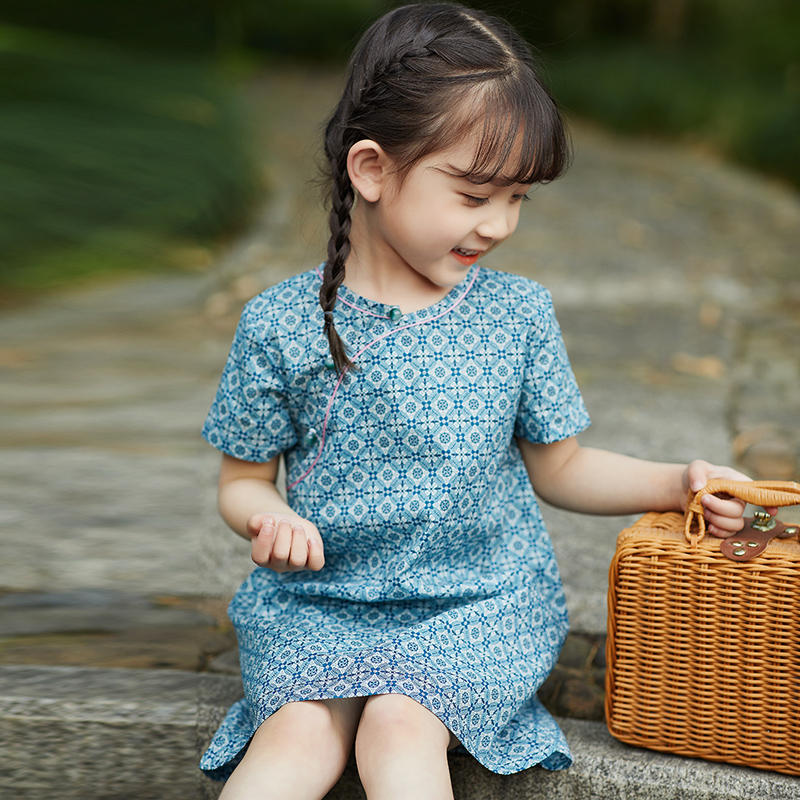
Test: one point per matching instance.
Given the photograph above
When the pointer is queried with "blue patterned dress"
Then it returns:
(440, 581)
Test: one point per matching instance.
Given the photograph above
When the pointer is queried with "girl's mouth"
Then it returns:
(466, 257)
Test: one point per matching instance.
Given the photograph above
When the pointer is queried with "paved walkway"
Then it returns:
(677, 284)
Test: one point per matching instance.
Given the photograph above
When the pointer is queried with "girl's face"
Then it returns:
(437, 224)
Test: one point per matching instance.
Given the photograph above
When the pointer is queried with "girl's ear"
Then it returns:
(368, 166)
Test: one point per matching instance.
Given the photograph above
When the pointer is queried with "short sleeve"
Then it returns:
(250, 417)
(551, 407)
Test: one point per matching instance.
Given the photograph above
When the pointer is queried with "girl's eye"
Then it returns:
(476, 201)
(522, 197)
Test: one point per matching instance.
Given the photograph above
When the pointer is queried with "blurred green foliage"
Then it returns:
(121, 129)
(114, 146)
(753, 119)
(722, 72)
(320, 30)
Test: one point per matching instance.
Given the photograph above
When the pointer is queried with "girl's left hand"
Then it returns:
(723, 513)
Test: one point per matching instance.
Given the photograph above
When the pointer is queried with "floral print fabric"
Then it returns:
(440, 580)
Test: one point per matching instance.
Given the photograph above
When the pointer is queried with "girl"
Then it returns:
(408, 599)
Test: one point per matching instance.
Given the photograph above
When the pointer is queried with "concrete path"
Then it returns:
(676, 281)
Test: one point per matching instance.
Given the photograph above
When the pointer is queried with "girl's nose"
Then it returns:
(499, 225)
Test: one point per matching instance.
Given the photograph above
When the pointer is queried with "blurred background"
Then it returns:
(157, 169)
(126, 143)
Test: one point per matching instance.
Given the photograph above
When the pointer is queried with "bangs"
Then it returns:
(520, 134)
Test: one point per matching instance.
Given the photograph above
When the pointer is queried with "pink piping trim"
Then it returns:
(353, 305)
(360, 353)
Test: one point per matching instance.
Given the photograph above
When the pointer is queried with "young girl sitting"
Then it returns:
(408, 600)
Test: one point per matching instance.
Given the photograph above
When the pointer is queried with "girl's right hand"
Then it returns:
(284, 544)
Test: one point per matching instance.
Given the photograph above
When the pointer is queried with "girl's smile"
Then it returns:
(466, 257)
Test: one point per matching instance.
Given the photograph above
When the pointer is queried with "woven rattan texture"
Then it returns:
(704, 653)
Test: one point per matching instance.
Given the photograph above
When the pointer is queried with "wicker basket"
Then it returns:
(704, 651)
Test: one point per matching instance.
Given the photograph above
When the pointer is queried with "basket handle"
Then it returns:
(757, 493)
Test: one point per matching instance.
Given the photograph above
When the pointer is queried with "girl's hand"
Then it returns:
(723, 513)
(285, 544)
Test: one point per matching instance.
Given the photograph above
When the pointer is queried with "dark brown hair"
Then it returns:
(422, 78)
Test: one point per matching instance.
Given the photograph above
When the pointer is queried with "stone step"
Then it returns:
(118, 734)
(76, 733)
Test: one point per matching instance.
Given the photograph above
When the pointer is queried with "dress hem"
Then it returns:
(220, 771)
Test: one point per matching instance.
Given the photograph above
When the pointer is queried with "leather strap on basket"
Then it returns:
(757, 493)
(753, 539)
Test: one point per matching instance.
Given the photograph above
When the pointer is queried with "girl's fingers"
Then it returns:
(298, 556)
(261, 544)
(724, 506)
(306, 550)
(256, 523)
(282, 547)
(316, 555)
(723, 515)
(723, 527)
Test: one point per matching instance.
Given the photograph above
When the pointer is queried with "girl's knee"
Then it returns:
(299, 751)
(311, 721)
(397, 718)
(303, 716)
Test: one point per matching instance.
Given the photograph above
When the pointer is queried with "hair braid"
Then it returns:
(342, 197)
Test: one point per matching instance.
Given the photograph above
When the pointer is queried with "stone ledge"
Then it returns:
(605, 769)
(71, 733)
(116, 734)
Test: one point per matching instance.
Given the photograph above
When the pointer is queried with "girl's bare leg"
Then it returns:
(298, 753)
(401, 750)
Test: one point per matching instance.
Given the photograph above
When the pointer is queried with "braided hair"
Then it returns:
(421, 79)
